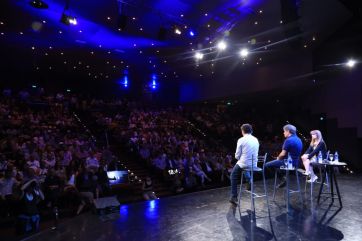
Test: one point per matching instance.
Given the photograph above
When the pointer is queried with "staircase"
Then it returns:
(126, 192)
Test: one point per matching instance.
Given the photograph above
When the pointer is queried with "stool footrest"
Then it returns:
(294, 191)
(255, 194)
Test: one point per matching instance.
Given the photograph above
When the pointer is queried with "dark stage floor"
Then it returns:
(209, 216)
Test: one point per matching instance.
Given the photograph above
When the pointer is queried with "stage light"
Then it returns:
(154, 82)
(199, 56)
(351, 63)
(244, 53)
(192, 33)
(177, 31)
(221, 45)
(38, 4)
(66, 19)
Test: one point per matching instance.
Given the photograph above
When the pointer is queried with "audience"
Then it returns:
(45, 144)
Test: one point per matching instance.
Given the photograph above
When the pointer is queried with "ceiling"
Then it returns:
(98, 49)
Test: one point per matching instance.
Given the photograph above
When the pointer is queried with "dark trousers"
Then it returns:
(235, 177)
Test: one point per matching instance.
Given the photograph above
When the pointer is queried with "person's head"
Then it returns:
(246, 129)
(316, 136)
(289, 130)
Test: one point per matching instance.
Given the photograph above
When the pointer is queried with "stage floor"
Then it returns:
(209, 216)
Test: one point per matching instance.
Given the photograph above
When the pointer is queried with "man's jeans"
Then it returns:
(235, 177)
(279, 163)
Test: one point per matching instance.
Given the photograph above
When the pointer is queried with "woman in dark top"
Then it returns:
(317, 145)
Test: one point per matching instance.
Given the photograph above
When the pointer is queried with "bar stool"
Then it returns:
(253, 195)
(319, 165)
(288, 191)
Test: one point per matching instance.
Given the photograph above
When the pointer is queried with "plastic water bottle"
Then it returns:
(290, 162)
(336, 158)
(320, 157)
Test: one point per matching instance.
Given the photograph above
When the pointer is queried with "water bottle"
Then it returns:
(320, 157)
(290, 162)
(336, 158)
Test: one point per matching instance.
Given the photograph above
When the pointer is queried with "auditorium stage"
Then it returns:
(208, 215)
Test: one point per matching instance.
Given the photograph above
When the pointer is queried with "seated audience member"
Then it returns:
(7, 197)
(92, 162)
(200, 173)
(317, 145)
(28, 220)
(103, 181)
(147, 188)
(86, 183)
(190, 178)
(34, 164)
(52, 186)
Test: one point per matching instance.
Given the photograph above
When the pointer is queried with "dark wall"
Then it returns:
(286, 72)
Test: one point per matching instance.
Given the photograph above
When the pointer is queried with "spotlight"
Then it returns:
(66, 19)
(351, 63)
(192, 33)
(199, 56)
(177, 31)
(221, 45)
(38, 4)
(244, 53)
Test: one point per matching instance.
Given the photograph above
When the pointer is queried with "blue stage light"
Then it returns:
(154, 82)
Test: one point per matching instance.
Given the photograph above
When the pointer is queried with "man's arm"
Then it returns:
(281, 155)
(238, 150)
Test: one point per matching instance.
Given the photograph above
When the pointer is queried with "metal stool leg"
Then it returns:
(300, 193)
(311, 193)
(266, 192)
(252, 208)
(327, 178)
(275, 183)
(240, 191)
(287, 190)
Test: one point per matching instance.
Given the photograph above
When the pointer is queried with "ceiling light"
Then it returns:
(38, 4)
(177, 31)
(244, 53)
(351, 63)
(66, 19)
(199, 56)
(221, 45)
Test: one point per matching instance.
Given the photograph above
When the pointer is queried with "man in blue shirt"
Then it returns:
(292, 146)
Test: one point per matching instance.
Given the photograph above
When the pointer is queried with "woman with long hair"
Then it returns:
(317, 145)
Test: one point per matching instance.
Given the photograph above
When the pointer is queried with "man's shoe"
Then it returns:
(234, 201)
(248, 186)
(282, 184)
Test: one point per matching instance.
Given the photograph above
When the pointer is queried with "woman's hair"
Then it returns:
(318, 139)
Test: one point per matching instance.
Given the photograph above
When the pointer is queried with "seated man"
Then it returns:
(246, 152)
(292, 146)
